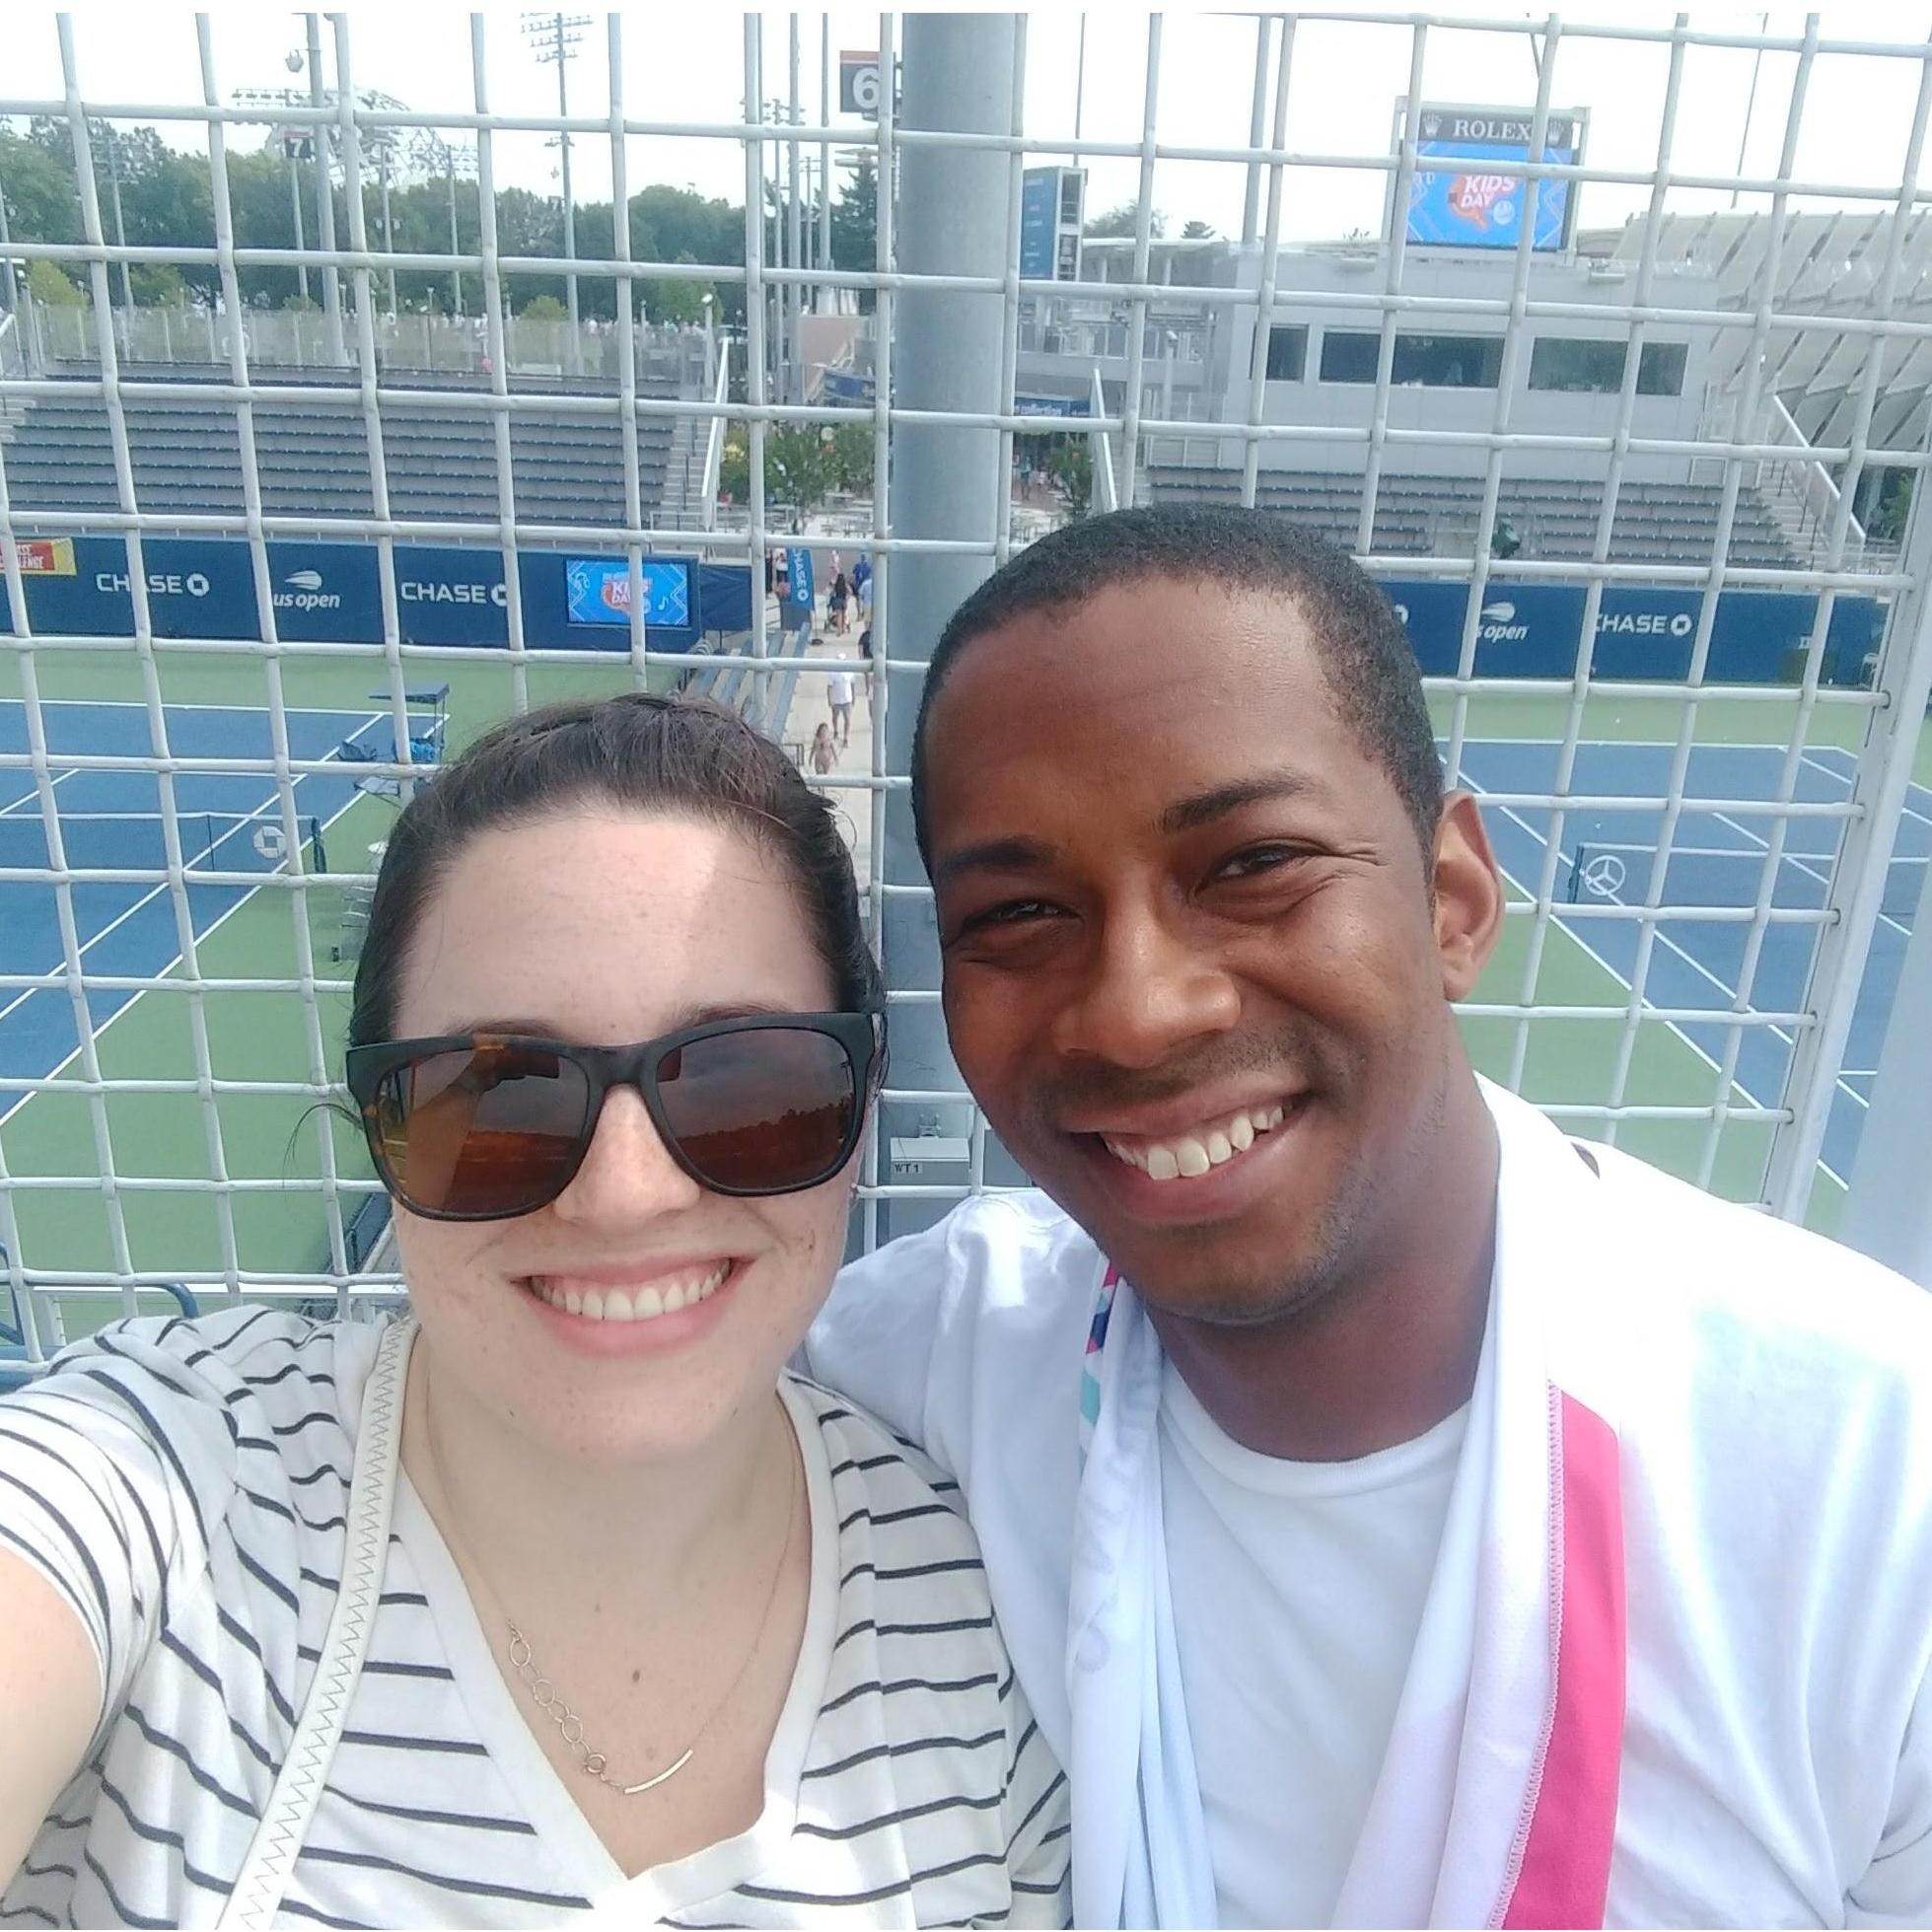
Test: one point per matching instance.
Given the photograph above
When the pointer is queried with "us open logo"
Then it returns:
(302, 591)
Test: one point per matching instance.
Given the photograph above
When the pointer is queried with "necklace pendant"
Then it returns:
(663, 1778)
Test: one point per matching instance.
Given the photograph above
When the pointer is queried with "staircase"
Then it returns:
(684, 475)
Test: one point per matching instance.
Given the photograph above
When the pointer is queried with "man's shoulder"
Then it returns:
(1750, 1265)
(1765, 1316)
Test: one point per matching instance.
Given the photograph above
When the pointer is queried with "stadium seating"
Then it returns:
(568, 467)
(1556, 519)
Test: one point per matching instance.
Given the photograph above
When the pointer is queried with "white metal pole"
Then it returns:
(1258, 120)
(795, 217)
(574, 356)
(947, 354)
(324, 204)
(827, 298)
(295, 208)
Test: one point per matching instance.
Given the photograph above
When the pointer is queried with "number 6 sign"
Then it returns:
(858, 84)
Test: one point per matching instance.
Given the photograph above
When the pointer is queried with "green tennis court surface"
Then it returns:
(268, 1035)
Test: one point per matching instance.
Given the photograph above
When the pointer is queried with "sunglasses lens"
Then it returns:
(762, 1110)
(483, 1130)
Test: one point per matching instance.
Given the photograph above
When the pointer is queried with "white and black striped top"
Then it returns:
(183, 1484)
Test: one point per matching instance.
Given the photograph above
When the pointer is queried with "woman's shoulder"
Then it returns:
(891, 1474)
(247, 1379)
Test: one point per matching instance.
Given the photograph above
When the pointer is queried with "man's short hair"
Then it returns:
(1365, 660)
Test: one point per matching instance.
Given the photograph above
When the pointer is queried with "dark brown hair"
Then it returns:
(656, 754)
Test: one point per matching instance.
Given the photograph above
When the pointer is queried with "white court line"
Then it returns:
(1717, 1019)
(1509, 811)
(33, 798)
(1838, 777)
(147, 899)
(1797, 859)
(169, 704)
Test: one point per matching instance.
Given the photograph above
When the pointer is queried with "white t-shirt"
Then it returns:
(1776, 1469)
(1298, 1590)
(183, 1483)
(838, 688)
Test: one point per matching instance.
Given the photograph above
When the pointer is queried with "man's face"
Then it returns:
(1195, 971)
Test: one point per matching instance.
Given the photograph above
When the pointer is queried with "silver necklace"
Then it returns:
(570, 1726)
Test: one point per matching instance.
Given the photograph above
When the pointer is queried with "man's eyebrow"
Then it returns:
(1203, 807)
(993, 855)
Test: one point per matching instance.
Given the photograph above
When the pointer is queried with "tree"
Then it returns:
(543, 307)
(1124, 220)
(1072, 467)
(49, 285)
(1198, 231)
(735, 466)
(855, 226)
(798, 468)
(851, 458)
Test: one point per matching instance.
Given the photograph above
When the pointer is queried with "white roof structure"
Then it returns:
(1823, 264)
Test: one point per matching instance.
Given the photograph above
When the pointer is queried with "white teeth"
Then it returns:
(1197, 1154)
(643, 1304)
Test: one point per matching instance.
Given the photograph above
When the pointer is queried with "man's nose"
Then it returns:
(1149, 990)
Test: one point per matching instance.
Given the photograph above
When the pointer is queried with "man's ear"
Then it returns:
(1468, 896)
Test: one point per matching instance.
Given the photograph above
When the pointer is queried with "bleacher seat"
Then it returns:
(567, 468)
(1556, 519)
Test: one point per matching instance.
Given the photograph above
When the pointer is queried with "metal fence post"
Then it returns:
(946, 354)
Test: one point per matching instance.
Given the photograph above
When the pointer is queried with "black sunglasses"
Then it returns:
(486, 1127)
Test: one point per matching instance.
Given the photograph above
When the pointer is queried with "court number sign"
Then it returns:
(859, 84)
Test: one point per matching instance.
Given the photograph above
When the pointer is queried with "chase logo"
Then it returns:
(1499, 626)
(302, 590)
(1645, 623)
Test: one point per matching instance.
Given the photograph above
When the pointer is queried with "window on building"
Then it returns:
(1070, 185)
(1455, 362)
(1568, 362)
(1660, 369)
(1449, 362)
(1348, 355)
(1287, 352)
(1565, 362)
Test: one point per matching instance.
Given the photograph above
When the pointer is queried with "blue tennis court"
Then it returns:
(110, 820)
(1717, 859)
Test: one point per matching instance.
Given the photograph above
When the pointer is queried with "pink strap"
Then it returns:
(1563, 1879)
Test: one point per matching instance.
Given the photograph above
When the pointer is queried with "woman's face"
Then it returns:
(604, 926)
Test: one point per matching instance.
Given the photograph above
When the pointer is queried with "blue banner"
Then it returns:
(445, 594)
(600, 591)
(1472, 207)
(1040, 199)
(1533, 630)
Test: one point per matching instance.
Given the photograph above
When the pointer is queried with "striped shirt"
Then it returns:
(183, 1484)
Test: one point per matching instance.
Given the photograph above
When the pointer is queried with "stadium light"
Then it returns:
(554, 40)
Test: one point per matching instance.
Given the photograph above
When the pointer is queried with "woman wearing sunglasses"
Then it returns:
(559, 1595)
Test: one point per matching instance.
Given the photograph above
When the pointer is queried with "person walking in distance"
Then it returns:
(838, 696)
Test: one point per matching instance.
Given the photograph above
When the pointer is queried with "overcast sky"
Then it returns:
(685, 63)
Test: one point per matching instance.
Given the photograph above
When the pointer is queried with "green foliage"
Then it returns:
(851, 459)
(543, 307)
(301, 305)
(798, 468)
(1123, 221)
(734, 467)
(160, 286)
(1072, 470)
(49, 285)
(855, 226)
(1196, 231)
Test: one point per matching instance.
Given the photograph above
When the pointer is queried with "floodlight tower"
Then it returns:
(553, 39)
